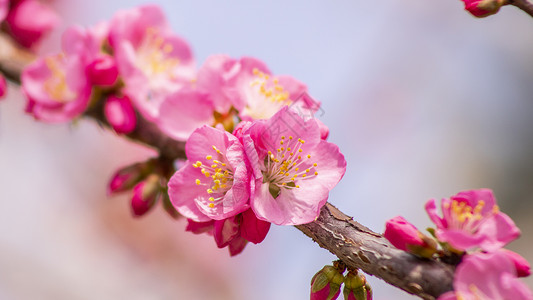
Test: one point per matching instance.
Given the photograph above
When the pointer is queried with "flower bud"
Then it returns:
(103, 70)
(356, 287)
(3, 86)
(145, 195)
(521, 264)
(483, 8)
(326, 284)
(120, 114)
(126, 178)
(405, 236)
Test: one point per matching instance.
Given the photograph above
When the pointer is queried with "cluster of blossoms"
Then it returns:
(255, 153)
(26, 21)
(472, 231)
(326, 284)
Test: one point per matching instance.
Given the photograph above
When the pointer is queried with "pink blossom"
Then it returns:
(471, 219)
(103, 70)
(405, 236)
(29, 20)
(120, 114)
(57, 88)
(3, 86)
(248, 85)
(523, 269)
(215, 181)
(184, 111)
(4, 9)
(294, 169)
(152, 61)
(483, 8)
(487, 276)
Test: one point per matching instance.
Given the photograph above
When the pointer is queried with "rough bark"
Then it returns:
(353, 243)
(524, 5)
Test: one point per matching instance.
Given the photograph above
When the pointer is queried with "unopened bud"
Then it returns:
(483, 8)
(3, 86)
(126, 178)
(103, 70)
(120, 114)
(356, 287)
(145, 195)
(326, 284)
(405, 236)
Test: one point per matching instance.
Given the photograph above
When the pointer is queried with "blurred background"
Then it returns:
(423, 100)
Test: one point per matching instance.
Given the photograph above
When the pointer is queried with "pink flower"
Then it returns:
(57, 88)
(3, 86)
(215, 181)
(487, 276)
(405, 236)
(523, 269)
(152, 61)
(294, 169)
(184, 111)
(248, 85)
(4, 9)
(471, 219)
(29, 20)
(120, 114)
(483, 8)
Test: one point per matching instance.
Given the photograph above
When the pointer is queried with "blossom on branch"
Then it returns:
(487, 276)
(471, 220)
(294, 168)
(405, 236)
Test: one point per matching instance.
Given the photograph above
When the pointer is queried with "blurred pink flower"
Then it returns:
(29, 20)
(247, 85)
(523, 269)
(184, 111)
(483, 8)
(405, 236)
(103, 70)
(4, 9)
(215, 181)
(294, 169)
(471, 219)
(57, 87)
(487, 276)
(120, 114)
(152, 61)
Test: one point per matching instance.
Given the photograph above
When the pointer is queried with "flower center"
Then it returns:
(56, 84)
(466, 217)
(218, 176)
(266, 96)
(288, 166)
(153, 54)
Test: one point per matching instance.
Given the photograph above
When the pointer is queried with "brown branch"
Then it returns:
(524, 5)
(357, 246)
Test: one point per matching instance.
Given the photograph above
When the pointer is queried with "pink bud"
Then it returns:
(120, 114)
(29, 21)
(405, 236)
(522, 265)
(103, 70)
(3, 86)
(326, 284)
(253, 229)
(126, 178)
(145, 195)
(483, 8)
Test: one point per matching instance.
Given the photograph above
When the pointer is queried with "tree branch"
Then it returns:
(357, 246)
(524, 5)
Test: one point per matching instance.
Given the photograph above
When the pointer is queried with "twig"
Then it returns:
(357, 246)
(524, 5)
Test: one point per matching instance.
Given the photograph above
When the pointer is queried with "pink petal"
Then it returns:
(253, 229)
(226, 230)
